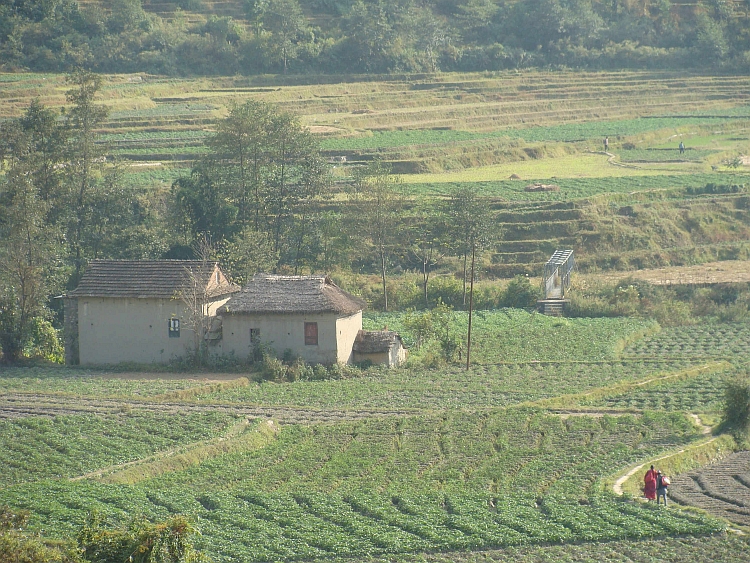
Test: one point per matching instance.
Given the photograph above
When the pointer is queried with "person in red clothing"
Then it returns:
(649, 487)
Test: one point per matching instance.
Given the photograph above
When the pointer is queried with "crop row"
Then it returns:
(572, 188)
(489, 385)
(83, 382)
(564, 132)
(163, 110)
(40, 448)
(724, 340)
(702, 549)
(500, 452)
(650, 155)
(246, 525)
(702, 394)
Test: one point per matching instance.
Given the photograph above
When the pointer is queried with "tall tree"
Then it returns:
(86, 160)
(28, 235)
(470, 225)
(241, 144)
(264, 168)
(27, 259)
(427, 234)
(378, 204)
(286, 22)
(296, 176)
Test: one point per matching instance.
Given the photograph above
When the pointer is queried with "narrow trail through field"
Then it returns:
(15, 405)
(234, 430)
(705, 430)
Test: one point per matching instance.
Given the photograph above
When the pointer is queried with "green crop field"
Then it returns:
(441, 482)
(570, 188)
(482, 459)
(720, 340)
(510, 460)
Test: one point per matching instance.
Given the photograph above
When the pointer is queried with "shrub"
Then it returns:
(736, 413)
(520, 294)
(273, 369)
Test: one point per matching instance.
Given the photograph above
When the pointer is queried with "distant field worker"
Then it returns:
(606, 144)
(682, 147)
(662, 482)
(649, 484)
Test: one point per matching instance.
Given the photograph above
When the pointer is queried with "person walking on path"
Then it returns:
(649, 484)
(662, 482)
(682, 147)
(606, 144)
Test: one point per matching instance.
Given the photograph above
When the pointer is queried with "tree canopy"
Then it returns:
(362, 36)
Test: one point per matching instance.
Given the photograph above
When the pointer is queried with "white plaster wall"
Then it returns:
(347, 329)
(111, 331)
(282, 332)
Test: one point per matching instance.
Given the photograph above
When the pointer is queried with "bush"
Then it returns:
(736, 414)
(139, 541)
(520, 294)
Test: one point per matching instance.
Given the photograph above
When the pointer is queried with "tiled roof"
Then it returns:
(149, 278)
(376, 341)
(292, 294)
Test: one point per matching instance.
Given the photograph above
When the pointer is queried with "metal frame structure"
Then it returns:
(557, 272)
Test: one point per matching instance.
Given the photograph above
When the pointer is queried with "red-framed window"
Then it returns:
(311, 334)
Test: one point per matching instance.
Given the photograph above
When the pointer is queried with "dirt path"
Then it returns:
(21, 405)
(705, 430)
(231, 432)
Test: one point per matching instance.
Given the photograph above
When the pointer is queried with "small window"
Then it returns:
(311, 334)
(174, 328)
(254, 336)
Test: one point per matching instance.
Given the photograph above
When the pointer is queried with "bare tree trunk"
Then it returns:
(382, 273)
(466, 255)
(471, 306)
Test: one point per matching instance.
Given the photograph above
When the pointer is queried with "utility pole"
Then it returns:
(471, 304)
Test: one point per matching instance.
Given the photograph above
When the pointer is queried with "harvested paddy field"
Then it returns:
(727, 271)
(722, 488)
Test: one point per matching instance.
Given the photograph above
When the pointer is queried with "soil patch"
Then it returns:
(722, 489)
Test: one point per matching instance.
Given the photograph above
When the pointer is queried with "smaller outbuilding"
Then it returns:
(379, 347)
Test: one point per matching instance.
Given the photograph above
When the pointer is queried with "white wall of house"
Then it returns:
(114, 330)
(347, 329)
(287, 331)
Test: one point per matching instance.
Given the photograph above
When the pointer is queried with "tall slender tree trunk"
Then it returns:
(466, 256)
(471, 307)
(382, 274)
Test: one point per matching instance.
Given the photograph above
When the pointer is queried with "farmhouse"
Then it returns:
(308, 315)
(141, 311)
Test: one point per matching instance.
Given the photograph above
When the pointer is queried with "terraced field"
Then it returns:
(416, 118)
(720, 340)
(476, 130)
(393, 463)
